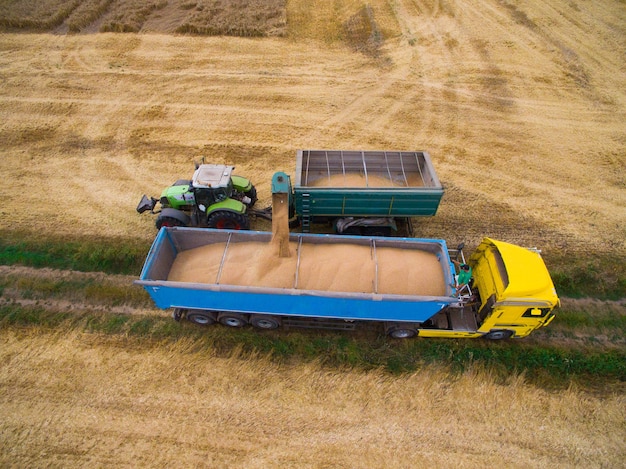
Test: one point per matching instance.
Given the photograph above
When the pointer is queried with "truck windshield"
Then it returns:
(501, 268)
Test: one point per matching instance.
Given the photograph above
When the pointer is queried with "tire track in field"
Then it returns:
(99, 102)
(435, 97)
(397, 88)
(69, 306)
(42, 288)
(27, 295)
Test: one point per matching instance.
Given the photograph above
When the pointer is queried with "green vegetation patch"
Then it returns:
(114, 256)
(597, 321)
(86, 290)
(593, 275)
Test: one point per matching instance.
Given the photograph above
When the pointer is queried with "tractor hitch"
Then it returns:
(265, 213)
(146, 204)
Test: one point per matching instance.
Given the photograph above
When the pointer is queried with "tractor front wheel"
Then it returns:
(172, 217)
(168, 221)
(224, 220)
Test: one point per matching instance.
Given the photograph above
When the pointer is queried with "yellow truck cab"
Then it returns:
(510, 295)
(515, 290)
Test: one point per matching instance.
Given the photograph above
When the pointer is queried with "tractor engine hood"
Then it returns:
(177, 195)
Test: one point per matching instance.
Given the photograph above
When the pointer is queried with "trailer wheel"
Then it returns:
(377, 231)
(178, 313)
(202, 318)
(225, 220)
(400, 331)
(499, 335)
(262, 321)
(232, 319)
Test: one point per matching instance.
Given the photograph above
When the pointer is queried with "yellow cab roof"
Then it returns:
(527, 272)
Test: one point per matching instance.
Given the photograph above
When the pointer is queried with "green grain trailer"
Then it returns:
(363, 192)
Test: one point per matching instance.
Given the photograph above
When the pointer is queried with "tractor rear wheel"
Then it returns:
(224, 220)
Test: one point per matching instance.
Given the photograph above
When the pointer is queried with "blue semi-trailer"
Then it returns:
(218, 293)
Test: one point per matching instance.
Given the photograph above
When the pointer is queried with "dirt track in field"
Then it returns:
(31, 288)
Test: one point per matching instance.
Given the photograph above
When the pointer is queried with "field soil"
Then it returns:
(129, 404)
(521, 106)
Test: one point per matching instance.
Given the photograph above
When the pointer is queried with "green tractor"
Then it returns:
(214, 198)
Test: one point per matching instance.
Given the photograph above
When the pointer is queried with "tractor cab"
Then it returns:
(211, 184)
(214, 198)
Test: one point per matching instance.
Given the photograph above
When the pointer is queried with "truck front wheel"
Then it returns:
(224, 220)
(400, 331)
(499, 335)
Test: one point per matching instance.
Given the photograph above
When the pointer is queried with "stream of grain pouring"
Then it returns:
(280, 224)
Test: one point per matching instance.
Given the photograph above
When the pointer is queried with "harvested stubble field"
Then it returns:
(521, 106)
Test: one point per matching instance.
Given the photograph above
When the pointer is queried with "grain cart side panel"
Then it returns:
(338, 183)
(326, 202)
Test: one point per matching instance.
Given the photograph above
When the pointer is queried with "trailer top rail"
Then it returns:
(395, 168)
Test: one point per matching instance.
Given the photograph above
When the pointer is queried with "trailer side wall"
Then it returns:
(285, 301)
(334, 183)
